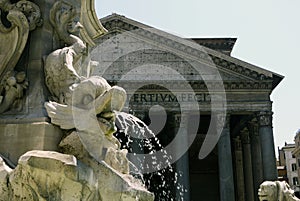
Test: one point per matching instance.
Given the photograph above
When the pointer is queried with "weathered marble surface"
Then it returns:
(115, 158)
(18, 138)
(77, 102)
(276, 191)
(21, 18)
(44, 175)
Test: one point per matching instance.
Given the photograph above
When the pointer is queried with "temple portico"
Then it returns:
(226, 163)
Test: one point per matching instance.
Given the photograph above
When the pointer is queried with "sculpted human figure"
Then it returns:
(69, 88)
(61, 76)
(87, 104)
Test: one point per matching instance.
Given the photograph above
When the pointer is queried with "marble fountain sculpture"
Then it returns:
(276, 191)
(91, 164)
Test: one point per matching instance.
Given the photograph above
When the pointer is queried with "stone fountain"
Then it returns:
(276, 191)
(66, 117)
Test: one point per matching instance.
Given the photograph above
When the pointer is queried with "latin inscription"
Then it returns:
(167, 97)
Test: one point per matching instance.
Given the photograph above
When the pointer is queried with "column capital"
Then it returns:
(245, 136)
(181, 118)
(223, 120)
(253, 128)
(265, 118)
(237, 143)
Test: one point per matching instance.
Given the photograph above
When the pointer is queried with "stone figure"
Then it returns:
(67, 19)
(276, 191)
(12, 91)
(64, 19)
(71, 92)
(87, 104)
(61, 76)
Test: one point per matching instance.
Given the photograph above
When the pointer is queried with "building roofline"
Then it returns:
(276, 78)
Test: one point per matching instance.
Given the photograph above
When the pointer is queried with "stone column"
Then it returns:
(225, 164)
(267, 145)
(182, 165)
(257, 167)
(239, 172)
(248, 176)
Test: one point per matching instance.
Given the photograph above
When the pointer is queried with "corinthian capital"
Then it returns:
(265, 118)
(245, 136)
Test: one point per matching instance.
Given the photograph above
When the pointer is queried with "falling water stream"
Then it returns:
(139, 140)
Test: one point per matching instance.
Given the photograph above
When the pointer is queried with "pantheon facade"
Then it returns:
(213, 110)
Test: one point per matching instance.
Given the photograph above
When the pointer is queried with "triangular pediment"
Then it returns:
(231, 69)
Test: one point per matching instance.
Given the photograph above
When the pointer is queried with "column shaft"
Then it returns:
(182, 165)
(225, 165)
(239, 171)
(267, 146)
(257, 167)
(249, 192)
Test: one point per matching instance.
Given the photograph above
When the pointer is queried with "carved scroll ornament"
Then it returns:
(21, 17)
(18, 20)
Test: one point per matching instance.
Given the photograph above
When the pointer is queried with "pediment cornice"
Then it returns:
(118, 23)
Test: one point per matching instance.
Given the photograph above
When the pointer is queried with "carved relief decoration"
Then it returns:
(16, 22)
(22, 17)
(64, 19)
(13, 87)
(75, 18)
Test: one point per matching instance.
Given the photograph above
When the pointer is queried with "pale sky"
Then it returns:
(268, 35)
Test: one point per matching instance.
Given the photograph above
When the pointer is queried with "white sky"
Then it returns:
(268, 35)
